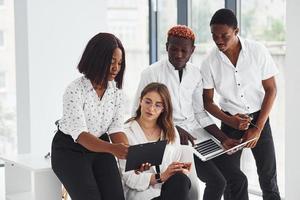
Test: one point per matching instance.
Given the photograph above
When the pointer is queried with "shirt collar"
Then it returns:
(137, 129)
(243, 49)
(242, 41)
(88, 85)
(171, 67)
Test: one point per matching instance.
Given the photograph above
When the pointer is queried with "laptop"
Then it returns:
(151, 152)
(208, 147)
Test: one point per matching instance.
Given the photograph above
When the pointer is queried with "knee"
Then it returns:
(218, 183)
(241, 180)
(181, 180)
(221, 184)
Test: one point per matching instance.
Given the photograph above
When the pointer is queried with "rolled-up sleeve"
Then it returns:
(207, 79)
(268, 67)
(139, 182)
(118, 118)
(74, 120)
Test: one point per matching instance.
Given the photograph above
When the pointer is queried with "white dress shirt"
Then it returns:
(84, 111)
(186, 96)
(137, 187)
(240, 87)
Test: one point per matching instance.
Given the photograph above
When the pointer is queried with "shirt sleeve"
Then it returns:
(139, 182)
(74, 119)
(208, 81)
(177, 137)
(201, 115)
(268, 67)
(117, 124)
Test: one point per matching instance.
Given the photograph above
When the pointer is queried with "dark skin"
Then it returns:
(179, 52)
(227, 41)
(119, 145)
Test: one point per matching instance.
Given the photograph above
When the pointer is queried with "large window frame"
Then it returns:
(183, 17)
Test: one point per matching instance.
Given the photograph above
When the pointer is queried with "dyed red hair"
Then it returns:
(182, 31)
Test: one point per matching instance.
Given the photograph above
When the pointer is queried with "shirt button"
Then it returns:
(235, 71)
(239, 84)
(242, 96)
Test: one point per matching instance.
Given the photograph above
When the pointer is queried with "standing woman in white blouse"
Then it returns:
(82, 156)
(153, 121)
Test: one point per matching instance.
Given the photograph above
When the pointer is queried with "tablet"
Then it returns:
(152, 153)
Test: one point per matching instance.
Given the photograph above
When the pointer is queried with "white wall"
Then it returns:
(292, 73)
(50, 38)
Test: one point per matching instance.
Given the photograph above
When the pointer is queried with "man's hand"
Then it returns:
(185, 137)
(229, 143)
(250, 134)
(240, 121)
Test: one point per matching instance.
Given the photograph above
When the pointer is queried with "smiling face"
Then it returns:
(115, 66)
(151, 106)
(179, 51)
(224, 36)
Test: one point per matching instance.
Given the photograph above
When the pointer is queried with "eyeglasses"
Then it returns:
(157, 106)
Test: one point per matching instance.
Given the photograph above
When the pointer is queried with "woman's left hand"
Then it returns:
(186, 168)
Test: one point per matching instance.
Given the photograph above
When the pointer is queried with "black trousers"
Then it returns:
(175, 188)
(264, 155)
(86, 175)
(215, 182)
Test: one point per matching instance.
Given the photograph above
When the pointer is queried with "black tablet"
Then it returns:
(152, 153)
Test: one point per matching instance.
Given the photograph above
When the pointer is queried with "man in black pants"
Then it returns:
(242, 72)
(184, 82)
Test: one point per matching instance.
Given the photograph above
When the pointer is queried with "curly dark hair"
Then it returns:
(96, 59)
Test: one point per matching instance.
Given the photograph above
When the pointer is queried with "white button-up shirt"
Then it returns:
(137, 186)
(240, 87)
(84, 111)
(186, 96)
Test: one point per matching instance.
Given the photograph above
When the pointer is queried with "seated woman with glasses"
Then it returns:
(174, 178)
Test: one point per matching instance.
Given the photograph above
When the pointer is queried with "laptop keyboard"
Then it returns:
(207, 147)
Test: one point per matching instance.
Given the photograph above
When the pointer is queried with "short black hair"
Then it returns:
(224, 17)
(96, 59)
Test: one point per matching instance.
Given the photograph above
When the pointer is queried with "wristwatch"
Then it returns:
(157, 178)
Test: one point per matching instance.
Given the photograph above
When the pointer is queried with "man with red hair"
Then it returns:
(184, 82)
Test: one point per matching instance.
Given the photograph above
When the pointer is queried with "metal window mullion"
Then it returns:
(235, 6)
(153, 31)
(182, 12)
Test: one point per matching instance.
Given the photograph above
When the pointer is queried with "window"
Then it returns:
(128, 19)
(8, 135)
(264, 21)
(167, 17)
(201, 13)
